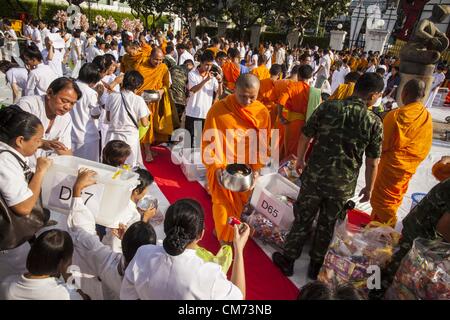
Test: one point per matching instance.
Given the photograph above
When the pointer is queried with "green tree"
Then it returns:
(147, 8)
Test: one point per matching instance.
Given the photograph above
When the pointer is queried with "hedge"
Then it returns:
(49, 10)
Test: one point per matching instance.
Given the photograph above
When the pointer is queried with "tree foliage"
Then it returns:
(147, 8)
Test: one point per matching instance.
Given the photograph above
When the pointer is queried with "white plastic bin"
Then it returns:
(192, 166)
(107, 199)
(264, 199)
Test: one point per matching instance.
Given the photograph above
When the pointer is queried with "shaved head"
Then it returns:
(156, 57)
(246, 81)
(247, 88)
(413, 91)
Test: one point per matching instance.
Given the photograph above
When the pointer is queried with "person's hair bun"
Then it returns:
(176, 241)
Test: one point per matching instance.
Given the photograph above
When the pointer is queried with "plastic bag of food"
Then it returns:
(287, 170)
(353, 250)
(424, 273)
(264, 229)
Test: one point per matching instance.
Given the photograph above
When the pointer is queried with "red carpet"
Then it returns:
(264, 280)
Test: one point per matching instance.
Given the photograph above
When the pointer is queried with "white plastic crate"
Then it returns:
(192, 166)
(264, 199)
(107, 199)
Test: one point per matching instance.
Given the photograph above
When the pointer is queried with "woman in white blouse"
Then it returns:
(40, 75)
(47, 264)
(174, 271)
(16, 76)
(20, 136)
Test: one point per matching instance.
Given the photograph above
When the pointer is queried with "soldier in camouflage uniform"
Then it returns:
(344, 130)
(430, 220)
(178, 89)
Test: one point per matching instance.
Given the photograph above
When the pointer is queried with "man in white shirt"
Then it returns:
(40, 75)
(53, 53)
(438, 80)
(183, 54)
(268, 56)
(11, 39)
(36, 36)
(43, 28)
(323, 73)
(28, 31)
(53, 111)
(280, 56)
(203, 86)
(242, 50)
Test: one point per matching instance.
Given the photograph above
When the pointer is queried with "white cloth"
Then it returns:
(36, 37)
(280, 56)
(56, 62)
(13, 262)
(200, 102)
(155, 275)
(438, 80)
(45, 33)
(98, 259)
(121, 126)
(242, 53)
(13, 186)
(185, 56)
(76, 47)
(254, 61)
(371, 69)
(19, 76)
(39, 79)
(128, 217)
(61, 129)
(22, 288)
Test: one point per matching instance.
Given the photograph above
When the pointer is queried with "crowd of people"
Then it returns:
(109, 96)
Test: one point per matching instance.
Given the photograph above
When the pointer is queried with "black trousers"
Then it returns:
(195, 128)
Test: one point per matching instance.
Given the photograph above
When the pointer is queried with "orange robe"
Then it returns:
(353, 64)
(297, 94)
(261, 72)
(164, 46)
(214, 50)
(162, 124)
(344, 91)
(231, 73)
(130, 63)
(281, 86)
(407, 138)
(225, 115)
(363, 63)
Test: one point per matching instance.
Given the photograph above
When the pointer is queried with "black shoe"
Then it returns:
(313, 270)
(286, 265)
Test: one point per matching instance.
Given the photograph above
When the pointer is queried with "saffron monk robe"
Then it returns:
(135, 56)
(232, 69)
(261, 72)
(237, 112)
(267, 94)
(295, 100)
(407, 139)
(164, 117)
(346, 89)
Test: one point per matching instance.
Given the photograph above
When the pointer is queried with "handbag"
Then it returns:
(17, 229)
(142, 130)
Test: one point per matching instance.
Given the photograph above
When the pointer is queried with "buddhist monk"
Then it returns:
(215, 46)
(346, 89)
(261, 72)
(267, 94)
(279, 88)
(224, 143)
(135, 56)
(156, 77)
(407, 138)
(162, 42)
(295, 100)
(232, 69)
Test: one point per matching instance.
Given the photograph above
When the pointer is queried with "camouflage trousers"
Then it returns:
(308, 204)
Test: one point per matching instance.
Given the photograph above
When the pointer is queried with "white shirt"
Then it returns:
(45, 33)
(84, 127)
(99, 259)
(119, 119)
(338, 77)
(325, 62)
(39, 80)
(13, 186)
(199, 103)
(108, 79)
(254, 61)
(185, 56)
(61, 129)
(280, 56)
(268, 56)
(76, 49)
(92, 52)
(22, 288)
(36, 37)
(19, 76)
(114, 53)
(12, 35)
(242, 53)
(56, 62)
(372, 68)
(155, 275)
(28, 32)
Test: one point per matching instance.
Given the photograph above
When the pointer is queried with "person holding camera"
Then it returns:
(205, 87)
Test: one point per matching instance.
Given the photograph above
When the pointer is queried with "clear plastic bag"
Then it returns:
(353, 250)
(424, 273)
